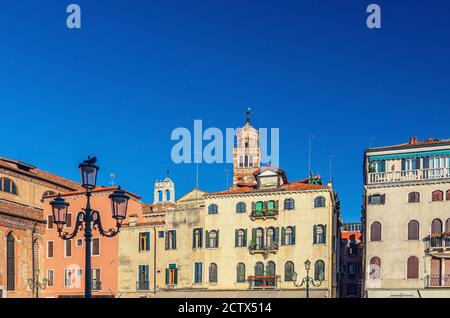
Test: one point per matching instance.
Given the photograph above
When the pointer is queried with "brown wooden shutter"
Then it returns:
(375, 231)
(413, 230)
(95, 246)
(413, 267)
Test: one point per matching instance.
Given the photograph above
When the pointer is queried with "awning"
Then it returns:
(410, 155)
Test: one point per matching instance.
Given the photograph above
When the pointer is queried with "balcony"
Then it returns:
(264, 214)
(437, 243)
(266, 249)
(411, 175)
(263, 282)
(432, 281)
(96, 284)
(142, 285)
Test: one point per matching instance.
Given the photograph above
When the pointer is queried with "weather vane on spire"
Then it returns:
(248, 113)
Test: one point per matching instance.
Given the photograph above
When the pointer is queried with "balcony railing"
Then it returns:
(264, 248)
(142, 285)
(264, 214)
(96, 284)
(438, 242)
(437, 281)
(411, 175)
(264, 282)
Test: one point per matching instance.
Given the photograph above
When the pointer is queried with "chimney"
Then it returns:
(412, 140)
(330, 184)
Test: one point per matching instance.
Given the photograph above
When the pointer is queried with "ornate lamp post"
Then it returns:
(306, 280)
(37, 285)
(89, 219)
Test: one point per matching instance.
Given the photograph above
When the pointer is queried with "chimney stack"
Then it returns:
(412, 140)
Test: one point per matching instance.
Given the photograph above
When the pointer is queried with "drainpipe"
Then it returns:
(154, 261)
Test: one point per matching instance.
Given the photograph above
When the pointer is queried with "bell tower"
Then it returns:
(247, 154)
(164, 191)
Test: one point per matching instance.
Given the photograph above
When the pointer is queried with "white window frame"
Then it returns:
(66, 270)
(53, 278)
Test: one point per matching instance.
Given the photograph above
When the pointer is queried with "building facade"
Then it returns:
(351, 276)
(22, 189)
(406, 218)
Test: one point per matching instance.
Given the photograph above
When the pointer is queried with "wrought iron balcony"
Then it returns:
(142, 285)
(437, 281)
(264, 282)
(264, 214)
(255, 248)
(96, 284)
(437, 243)
(410, 175)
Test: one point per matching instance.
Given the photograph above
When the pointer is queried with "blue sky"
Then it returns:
(139, 69)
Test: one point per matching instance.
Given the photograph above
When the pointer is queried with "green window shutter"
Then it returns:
(236, 238)
(217, 240)
(245, 237)
(283, 233)
(167, 276)
(201, 237)
(325, 233)
(175, 276)
(315, 234)
(293, 235)
(207, 239)
(276, 234)
(147, 240)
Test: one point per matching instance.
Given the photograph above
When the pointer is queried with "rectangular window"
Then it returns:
(50, 249)
(144, 241)
(79, 272)
(50, 282)
(172, 274)
(143, 277)
(50, 222)
(198, 273)
(95, 246)
(79, 242)
(171, 240)
(96, 281)
(68, 278)
(69, 220)
(68, 248)
(197, 238)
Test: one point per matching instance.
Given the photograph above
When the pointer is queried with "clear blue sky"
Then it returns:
(138, 69)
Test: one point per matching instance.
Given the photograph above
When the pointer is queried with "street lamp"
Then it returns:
(35, 284)
(89, 219)
(306, 280)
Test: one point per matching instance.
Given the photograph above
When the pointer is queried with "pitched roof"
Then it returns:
(96, 190)
(20, 211)
(32, 171)
(291, 186)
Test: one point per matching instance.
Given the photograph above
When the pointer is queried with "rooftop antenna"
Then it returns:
(310, 136)
(112, 175)
(330, 159)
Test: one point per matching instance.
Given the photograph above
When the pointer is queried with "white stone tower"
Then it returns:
(247, 154)
(164, 191)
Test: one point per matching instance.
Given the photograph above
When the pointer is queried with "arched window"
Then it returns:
(375, 231)
(240, 238)
(375, 268)
(270, 236)
(447, 195)
(289, 236)
(160, 196)
(240, 207)
(436, 226)
(259, 269)
(319, 202)
(241, 162)
(319, 270)
(246, 161)
(259, 206)
(413, 197)
(10, 262)
(168, 198)
(271, 269)
(437, 196)
(259, 238)
(213, 273)
(240, 273)
(213, 239)
(7, 185)
(271, 205)
(447, 226)
(289, 204)
(289, 271)
(413, 230)
(413, 267)
(213, 209)
(319, 232)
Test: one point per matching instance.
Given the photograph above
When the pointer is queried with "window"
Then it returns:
(68, 248)
(447, 226)
(288, 235)
(143, 277)
(377, 166)
(144, 241)
(375, 268)
(289, 204)
(69, 220)
(413, 267)
(289, 271)
(213, 209)
(319, 270)
(319, 202)
(240, 207)
(437, 196)
(375, 231)
(241, 238)
(436, 226)
(413, 230)
(212, 239)
(50, 222)
(213, 273)
(259, 206)
(50, 249)
(447, 195)
(79, 242)
(68, 277)
(410, 164)
(96, 279)
(48, 193)
(319, 234)
(259, 269)
(197, 238)
(271, 269)
(50, 278)
(377, 199)
(171, 240)
(271, 205)
(198, 273)
(240, 273)
(7, 185)
(172, 274)
(413, 197)
(95, 246)
(10, 262)
(258, 238)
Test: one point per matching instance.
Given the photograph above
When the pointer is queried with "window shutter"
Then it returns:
(193, 238)
(174, 239)
(147, 239)
(383, 198)
(175, 276)
(217, 239)
(293, 235)
(253, 206)
(315, 234)
(253, 236)
(325, 233)
(264, 205)
(277, 234)
(245, 237)
(369, 199)
(207, 239)
(167, 240)
(167, 276)
(201, 237)
(276, 204)
(283, 233)
(236, 238)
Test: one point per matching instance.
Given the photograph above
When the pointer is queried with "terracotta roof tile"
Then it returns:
(20, 211)
(292, 186)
